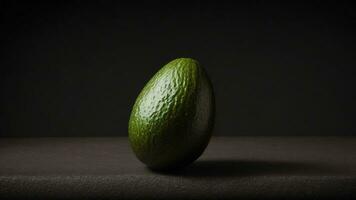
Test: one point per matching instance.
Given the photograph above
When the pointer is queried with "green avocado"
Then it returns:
(173, 116)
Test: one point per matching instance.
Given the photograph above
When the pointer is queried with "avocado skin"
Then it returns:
(172, 119)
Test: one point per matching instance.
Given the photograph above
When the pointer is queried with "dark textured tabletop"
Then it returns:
(230, 168)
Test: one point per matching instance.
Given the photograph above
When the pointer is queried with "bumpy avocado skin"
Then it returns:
(172, 119)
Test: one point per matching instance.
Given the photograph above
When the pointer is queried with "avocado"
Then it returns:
(172, 119)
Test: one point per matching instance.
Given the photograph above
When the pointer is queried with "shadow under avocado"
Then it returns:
(240, 168)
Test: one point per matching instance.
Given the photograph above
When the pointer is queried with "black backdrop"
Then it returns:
(75, 69)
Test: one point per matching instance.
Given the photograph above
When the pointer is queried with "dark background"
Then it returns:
(75, 69)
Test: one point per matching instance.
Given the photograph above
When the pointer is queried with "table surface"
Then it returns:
(230, 168)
